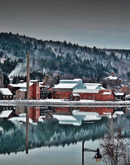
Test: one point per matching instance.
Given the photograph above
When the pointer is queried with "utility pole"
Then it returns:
(28, 96)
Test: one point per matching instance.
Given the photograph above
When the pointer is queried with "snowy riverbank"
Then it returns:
(66, 103)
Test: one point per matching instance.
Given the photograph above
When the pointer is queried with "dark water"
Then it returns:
(50, 142)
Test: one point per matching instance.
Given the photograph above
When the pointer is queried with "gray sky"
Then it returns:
(100, 23)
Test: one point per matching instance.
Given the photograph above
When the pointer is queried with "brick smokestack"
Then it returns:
(28, 96)
(28, 76)
(112, 74)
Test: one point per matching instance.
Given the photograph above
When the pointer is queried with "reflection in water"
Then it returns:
(115, 148)
(27, 128)
(44, 129)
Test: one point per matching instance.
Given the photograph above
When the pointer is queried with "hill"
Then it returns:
(66, 59)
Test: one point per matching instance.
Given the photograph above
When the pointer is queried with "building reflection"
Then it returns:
(103, 111)
(49, 132)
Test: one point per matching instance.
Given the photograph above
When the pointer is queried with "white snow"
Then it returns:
(87, 116)
(86, 91)
(5, 91)
(41, 118)
(77, 117)
(65, 85)
(112, 78)
(107, 93)
(20, 85)
(20, 119)
(67, 119)
(118, 113)
(92, 85)
(118, 94)
(5, 114)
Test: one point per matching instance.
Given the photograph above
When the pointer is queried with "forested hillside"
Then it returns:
(64, 58)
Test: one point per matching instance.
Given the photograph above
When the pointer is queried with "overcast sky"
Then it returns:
(100, 23)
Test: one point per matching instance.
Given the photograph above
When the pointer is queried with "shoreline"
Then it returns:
(64, 103)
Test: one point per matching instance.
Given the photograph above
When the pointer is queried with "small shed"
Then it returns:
(119, 96)
(76, 97)
(6, 114)
(5, 94)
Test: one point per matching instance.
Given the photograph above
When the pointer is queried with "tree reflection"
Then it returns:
(115, 148)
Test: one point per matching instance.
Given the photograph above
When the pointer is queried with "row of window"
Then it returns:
(7, 108)
(7, 97)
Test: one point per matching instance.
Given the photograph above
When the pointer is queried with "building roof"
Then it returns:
(5, 114)
(21, 85)
(86, 91)
(71, 81)
(127, 96)
(76, 94)
(20, 119)
(118, 94)
(111, 78)
(22, 90)
(86, 116)
(5, 91)
(65, 85)
(70, 84)
(93, 85)
(107, 93)
(67, 120)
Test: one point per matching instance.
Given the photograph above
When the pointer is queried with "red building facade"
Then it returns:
(75, 90)
(34, 113)
(35, 91)
(102, 95)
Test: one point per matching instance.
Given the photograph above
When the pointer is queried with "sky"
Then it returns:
(100, 23)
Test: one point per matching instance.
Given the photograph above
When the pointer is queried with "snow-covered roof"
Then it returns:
(70, 84)
(127, 96)
(117, 113)
(23, 89)
(67, 119)
(77, 118)
(41, 118)
(20, 85)
(92, 85)
(118, 94)
(66, 85)
(71, 81)
(107, 93)
(85, 91)
(86, 116)
(5, 114)
(76, 94)
(20, 119)
(111, 78)
(5, 91)
(33, 81)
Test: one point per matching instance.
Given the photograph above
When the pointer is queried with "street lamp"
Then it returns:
(97, 157)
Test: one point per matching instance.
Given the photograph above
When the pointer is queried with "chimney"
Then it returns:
(28, 76)
(112, 74)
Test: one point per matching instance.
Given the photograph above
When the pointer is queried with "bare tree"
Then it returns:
(115, 148)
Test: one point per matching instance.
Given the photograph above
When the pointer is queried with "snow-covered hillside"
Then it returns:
(63, 57)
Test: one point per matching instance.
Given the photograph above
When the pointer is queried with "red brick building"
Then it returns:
(5, 94)
(112, 82)
(98, 95)
(68, 89)
(20, 92)
(64, 90)
(34, 90)
(34, 113)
